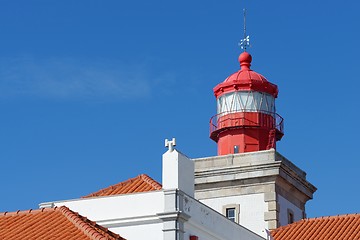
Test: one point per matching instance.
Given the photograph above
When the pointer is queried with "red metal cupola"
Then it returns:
(246, 118)
(246, 80)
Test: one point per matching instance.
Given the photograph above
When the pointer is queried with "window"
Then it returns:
(236, 149)
(290, 216)
(232, 212)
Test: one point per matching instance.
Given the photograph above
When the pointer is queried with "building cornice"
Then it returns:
(247, 169)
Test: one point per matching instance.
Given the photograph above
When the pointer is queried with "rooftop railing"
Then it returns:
(246, 118)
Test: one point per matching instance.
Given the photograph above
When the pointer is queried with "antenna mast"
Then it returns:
(245, 42)
(244, 27)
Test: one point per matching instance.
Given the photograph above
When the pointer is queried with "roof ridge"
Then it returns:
(112, 187)
(316, 218)
(18, 212)
(87, 226)
(151, 181)
(310, 227)
(142, 177)
(334, 216)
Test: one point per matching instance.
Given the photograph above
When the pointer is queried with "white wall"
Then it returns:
(252, 208)
(132, 216)
(208, 223)
(140, 232)
(178, 172)
(283, 213)
(137, 216)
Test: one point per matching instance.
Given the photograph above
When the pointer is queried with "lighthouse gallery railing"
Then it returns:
(240, 119)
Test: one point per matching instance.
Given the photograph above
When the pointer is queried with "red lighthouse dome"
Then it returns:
(246, 118)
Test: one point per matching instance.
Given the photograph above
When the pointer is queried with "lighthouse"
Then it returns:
(246, 118)
(248, 181)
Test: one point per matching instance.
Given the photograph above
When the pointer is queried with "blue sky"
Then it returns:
(90, 89)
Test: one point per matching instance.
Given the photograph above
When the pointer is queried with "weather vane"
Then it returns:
(245, 42)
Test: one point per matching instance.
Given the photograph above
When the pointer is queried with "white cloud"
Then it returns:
(72, 79)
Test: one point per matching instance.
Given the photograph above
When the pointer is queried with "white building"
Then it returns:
(169, 213)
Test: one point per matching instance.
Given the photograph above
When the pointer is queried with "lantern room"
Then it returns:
(246, 119)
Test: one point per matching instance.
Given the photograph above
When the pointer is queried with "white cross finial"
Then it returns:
(170, 144)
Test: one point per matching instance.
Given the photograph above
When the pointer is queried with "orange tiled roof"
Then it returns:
(343, 227)
(141, 183)
(51, 224)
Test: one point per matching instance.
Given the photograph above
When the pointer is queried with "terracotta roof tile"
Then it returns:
(51, 224)
(141, 183)
(343, 227)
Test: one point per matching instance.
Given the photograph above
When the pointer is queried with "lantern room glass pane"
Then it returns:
(246, 101)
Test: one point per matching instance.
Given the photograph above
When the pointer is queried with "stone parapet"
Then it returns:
(250, 170)
(266, 172)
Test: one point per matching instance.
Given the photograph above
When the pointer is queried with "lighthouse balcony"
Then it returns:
(246, 119)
